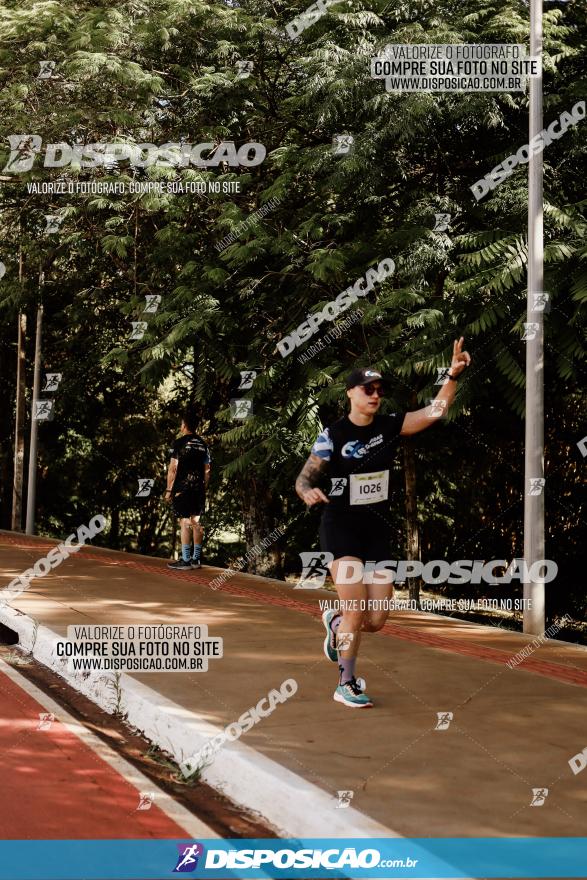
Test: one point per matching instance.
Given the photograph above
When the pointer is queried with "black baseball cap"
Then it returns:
(363, 376)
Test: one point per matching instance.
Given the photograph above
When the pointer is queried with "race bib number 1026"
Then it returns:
(369, 488)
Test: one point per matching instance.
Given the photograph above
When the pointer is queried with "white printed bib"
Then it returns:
(369, 488)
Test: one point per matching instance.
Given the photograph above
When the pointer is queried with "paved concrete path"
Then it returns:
(512, 731)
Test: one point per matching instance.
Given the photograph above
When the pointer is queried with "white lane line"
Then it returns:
(193, 826)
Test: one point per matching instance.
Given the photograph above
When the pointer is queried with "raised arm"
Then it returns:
(308, 478)
(420, 419)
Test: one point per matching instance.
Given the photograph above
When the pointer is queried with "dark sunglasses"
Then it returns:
(371, 389)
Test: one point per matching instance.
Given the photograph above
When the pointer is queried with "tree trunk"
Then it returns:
(143, 536)
(114, 533)
(259, 522)
(19, 426)
(413, 534)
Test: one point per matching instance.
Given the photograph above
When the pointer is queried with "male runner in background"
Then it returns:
(356, 453)
(187, 477)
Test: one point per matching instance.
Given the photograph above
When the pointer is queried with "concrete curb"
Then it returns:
(285, 800)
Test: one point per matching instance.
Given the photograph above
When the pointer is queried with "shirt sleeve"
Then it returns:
(173, 449)
(323, 446)
(207, 457)
(395, 423)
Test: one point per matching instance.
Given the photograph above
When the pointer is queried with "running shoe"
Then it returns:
(330, 640)
(351, 695)
(180, 565)
(195, 563)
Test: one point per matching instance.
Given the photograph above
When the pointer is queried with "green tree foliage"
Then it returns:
(164, 71)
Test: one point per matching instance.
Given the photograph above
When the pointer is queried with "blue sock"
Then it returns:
(186, 551)
(197, 552)
(346, 668)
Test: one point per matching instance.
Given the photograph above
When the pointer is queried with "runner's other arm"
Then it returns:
(308, 478)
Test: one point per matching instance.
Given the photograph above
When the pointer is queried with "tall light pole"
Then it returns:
(19, 426)
(32, 481)
(534, 616)
(20, 402)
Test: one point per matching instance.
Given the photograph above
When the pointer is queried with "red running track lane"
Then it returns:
(54, 786)
(568, 673)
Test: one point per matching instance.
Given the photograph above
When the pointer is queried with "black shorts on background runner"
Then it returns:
(356, 521)
(188, 495)
(186, 502)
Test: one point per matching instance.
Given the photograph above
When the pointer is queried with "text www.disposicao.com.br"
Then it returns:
(135, 664)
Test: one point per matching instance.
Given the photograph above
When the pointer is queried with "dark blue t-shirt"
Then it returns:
(192, 456)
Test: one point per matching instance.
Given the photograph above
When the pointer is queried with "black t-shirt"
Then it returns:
(192, 456)
(359, 457)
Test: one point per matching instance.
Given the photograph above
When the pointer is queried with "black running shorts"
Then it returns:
(186, 503)
(355, 536)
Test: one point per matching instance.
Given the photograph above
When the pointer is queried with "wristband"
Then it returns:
(452, 378)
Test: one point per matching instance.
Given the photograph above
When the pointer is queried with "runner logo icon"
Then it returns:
(145, 488)
(338, 486)
(444, 719)
(43, 410)
(187, 860)
(539, 795)
(343, 640)
(247, 379)
(314, 570)
(344, 799)
(46, 719)
(146, 800)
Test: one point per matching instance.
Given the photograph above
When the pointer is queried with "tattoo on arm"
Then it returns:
(310, 474)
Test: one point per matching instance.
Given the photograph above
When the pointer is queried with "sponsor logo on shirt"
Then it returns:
(357, 449)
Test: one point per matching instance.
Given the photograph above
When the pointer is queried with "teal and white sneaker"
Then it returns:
(330, 640)
(351, 695)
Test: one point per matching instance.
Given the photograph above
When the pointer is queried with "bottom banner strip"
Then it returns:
(358, 858)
